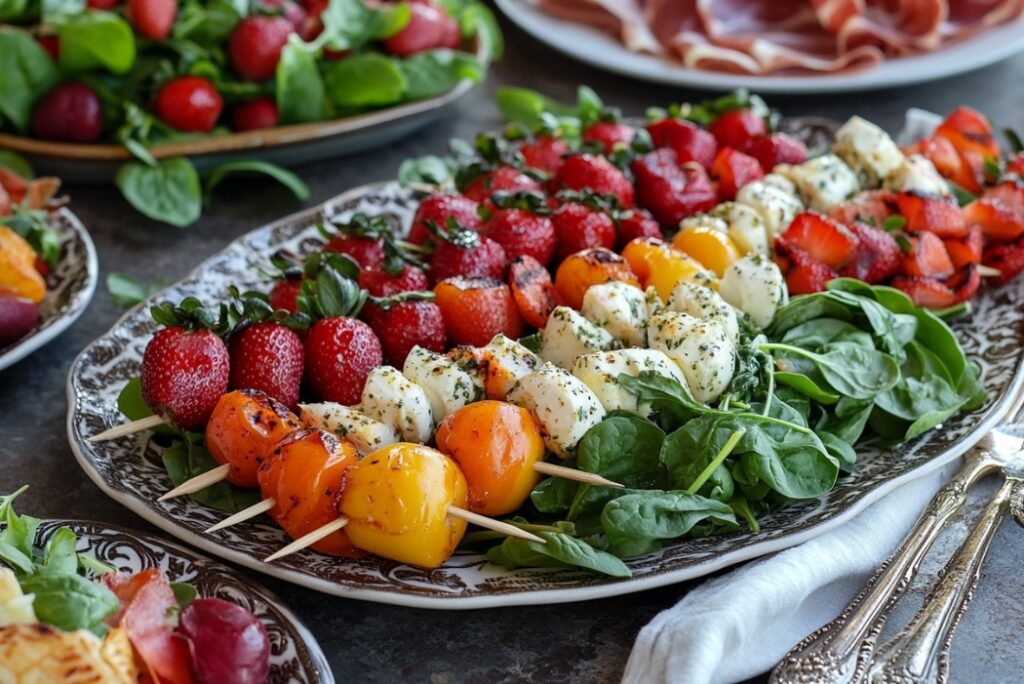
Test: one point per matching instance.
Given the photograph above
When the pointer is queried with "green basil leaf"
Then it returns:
(60, 557)
(167, 192)
(526, 107)
(70, 602)
(435, 72)
(12, 161)
(14, 557)
(185, 459)
(96, 40)
(208, 23)
(282, 176)
(351, 24)
(477, 19)
(26, 72)
(14, 9)
(299, 89)
(184, 594)
(560, 550)
(92, 564)
(367, 80)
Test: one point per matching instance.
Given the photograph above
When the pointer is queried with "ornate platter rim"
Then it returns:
(79, 299)
(397, 595)
(292, 624)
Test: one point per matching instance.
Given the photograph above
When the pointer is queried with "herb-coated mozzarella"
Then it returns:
(745, 227)
(366, 434)
(600, 372)
(655, 304)
(505, 362)
(780, 182)
(708, 220)
(821, 182)
(448, 386)
(701, 349)
(568, 335)
(868, 150)
(620, 309)
(563, 406)
(15, 607)
(391, 398)
(706, 304)
(918, 174)
(774, 205)
(755, 286)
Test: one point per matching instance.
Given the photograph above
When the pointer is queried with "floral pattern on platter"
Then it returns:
(993, 334)
(295, 657)
(69, 287)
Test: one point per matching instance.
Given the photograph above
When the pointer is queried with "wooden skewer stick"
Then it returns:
(210, 477)
(308, 539)
(563, 472)
(987, 271)
(128, 428)
(243, 515)
(454, 511)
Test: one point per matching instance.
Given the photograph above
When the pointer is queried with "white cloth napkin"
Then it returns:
(741, 624)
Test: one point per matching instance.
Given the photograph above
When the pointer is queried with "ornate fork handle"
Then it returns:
(920, 652)
(840, 651)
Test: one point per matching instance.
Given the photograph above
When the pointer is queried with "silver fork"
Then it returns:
(841, 651)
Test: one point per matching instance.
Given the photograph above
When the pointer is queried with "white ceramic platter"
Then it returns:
(295, 656)
(605, 52)
(129, 469)
(69, 288)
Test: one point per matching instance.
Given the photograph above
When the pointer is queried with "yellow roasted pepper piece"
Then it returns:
(658, 265)
(397, 499)
(18, 274)
(712, 248)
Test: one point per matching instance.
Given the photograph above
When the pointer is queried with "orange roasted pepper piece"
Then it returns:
(589, 267)
(18, 274)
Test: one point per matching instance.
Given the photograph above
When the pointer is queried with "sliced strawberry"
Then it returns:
(941, 153)
(777, 148)
(969, 131)
(877, 257)
(671, 191)
(1000, 213)
(932, 213)
(690, 141)
(544, 154)
(927, 257)
(933, 293)
(968, 249)
(1016, 164)
(733, 169)
(824, 240)
(871, 206)
(736, 129)
(964, 283)
(806, 275)
(1008, 259)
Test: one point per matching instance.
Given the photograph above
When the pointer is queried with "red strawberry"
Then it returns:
(381, 283)
(466, 253)
(503, 178)
(935, 214)
(368, 252)
(268, 357)
(868, 206)
(967, 250)
(285, 294)
(927, 257)
(1016, 164)
(438, 209)
(340, 354)
(822, 239)
(544, 154)
(806, 275)
(777, 148)
(70, 112)
(595, 173)
(877, 257)
(254, 115)
(689, 141)
(152, 19)
(942, 154)
(189, 103)
(669, 191)
(579, 226)
(1000, 213)
(1008, 259)
(609, 135)
(936, 294)
(255, 45)
(733, 170)
(521, 232)
(403, 325)
(636, 223)
(736, 129)
(429, 27)
(184, 373)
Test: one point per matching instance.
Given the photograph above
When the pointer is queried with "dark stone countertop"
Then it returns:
(366, 642)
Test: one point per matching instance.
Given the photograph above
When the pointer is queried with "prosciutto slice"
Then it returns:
(785, 36)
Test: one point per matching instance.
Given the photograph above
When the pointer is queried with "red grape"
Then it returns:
(229, 644)
(17, 318)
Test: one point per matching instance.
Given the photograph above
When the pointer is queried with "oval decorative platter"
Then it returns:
(69, 288)
(603, 51)
(295, 656)
(130, 471)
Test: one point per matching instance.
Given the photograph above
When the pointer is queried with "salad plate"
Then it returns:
(295, 655)
(129, 470)
(69, 287)
(604, 51)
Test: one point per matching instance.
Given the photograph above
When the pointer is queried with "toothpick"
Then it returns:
(210, 477)
(308, 539)
(128, 428)
(563, 472)
(243, 515)
(987, 271)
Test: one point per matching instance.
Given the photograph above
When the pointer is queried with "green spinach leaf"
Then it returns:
(560, 550)
(168, 192)
(282, 176)
(187, 458)
(96, 40)
(70, 602)
(435, 72)
(660, 515)
(299, 87)
(26, 72)
(366, 80)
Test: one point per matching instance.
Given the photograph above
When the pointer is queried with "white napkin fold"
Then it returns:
(741, 624)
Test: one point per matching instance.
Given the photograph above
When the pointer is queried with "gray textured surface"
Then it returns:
(586, 642)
